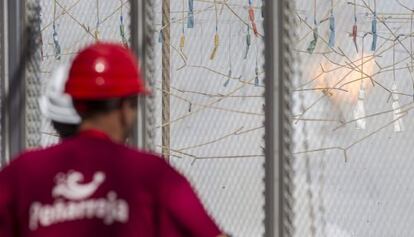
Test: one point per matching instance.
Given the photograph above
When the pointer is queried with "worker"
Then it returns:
(91, 184)
(57, 105)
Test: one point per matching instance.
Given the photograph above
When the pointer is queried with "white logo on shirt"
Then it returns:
(70, 187)
(77, 206)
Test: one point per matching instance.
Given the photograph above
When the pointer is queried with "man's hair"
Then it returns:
(65, 130)
(91, 108)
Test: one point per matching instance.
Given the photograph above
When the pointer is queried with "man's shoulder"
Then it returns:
(44, 151)
(142, 156)
(32, 154)
(153, 162)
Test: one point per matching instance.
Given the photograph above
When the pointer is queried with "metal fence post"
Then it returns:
(2, 78)
(136, 30)
(142, 16)
(271, 128)
(278, 68)
(15, 88)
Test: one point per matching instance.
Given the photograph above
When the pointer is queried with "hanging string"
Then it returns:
(256, 78)
(355, 28)
(122, 27)
(41, 46)
(226, 83)
(411, 67)
(55, 35)
(393, 61)
(411, 40)
(312, 44)
(263, 9)
(182, 38)
(359, 111)
(190, 18)
(216, 45)
(252, 18)
(398, 123)
(160, 38)
(332, 27)
(256, 69)
(56, 43)
(216, 36)
(248, 42)
(97, 33)
(374, 28)
(182, 43)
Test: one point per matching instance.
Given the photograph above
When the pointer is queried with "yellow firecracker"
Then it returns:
(182, 42)
(216, 45)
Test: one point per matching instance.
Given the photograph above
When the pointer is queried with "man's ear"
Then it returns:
(127, 108)
(123, 110)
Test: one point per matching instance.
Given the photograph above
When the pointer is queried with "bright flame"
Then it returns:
(343, 84)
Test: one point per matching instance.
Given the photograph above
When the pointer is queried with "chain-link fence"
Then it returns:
(352, 104)
(216, 108)
(32, 79)
(353, 118)
(216, 91)
(66, 27)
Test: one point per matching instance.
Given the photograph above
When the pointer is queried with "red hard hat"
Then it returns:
(103, 71)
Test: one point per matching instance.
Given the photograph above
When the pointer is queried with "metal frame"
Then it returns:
(14, 99)
(137, 34)
(2, 78)
(272, 194)
(278, 183)
(142, 41)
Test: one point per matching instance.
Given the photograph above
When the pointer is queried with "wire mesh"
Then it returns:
(149, 69)
(217, 106)
(32, 78)
(286, 78)
(352, 118)
(66, 27)
(216, 92)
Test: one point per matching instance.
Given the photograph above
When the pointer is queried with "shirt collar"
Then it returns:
(94, 133)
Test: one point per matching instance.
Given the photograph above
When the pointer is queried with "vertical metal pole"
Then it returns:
(15, 99)
(137, 31)
(278, 169)
(2, 79)
(142, 41)
(166, 54)
(272, 189)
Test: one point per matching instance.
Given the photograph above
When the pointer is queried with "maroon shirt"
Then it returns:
(90, 186)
